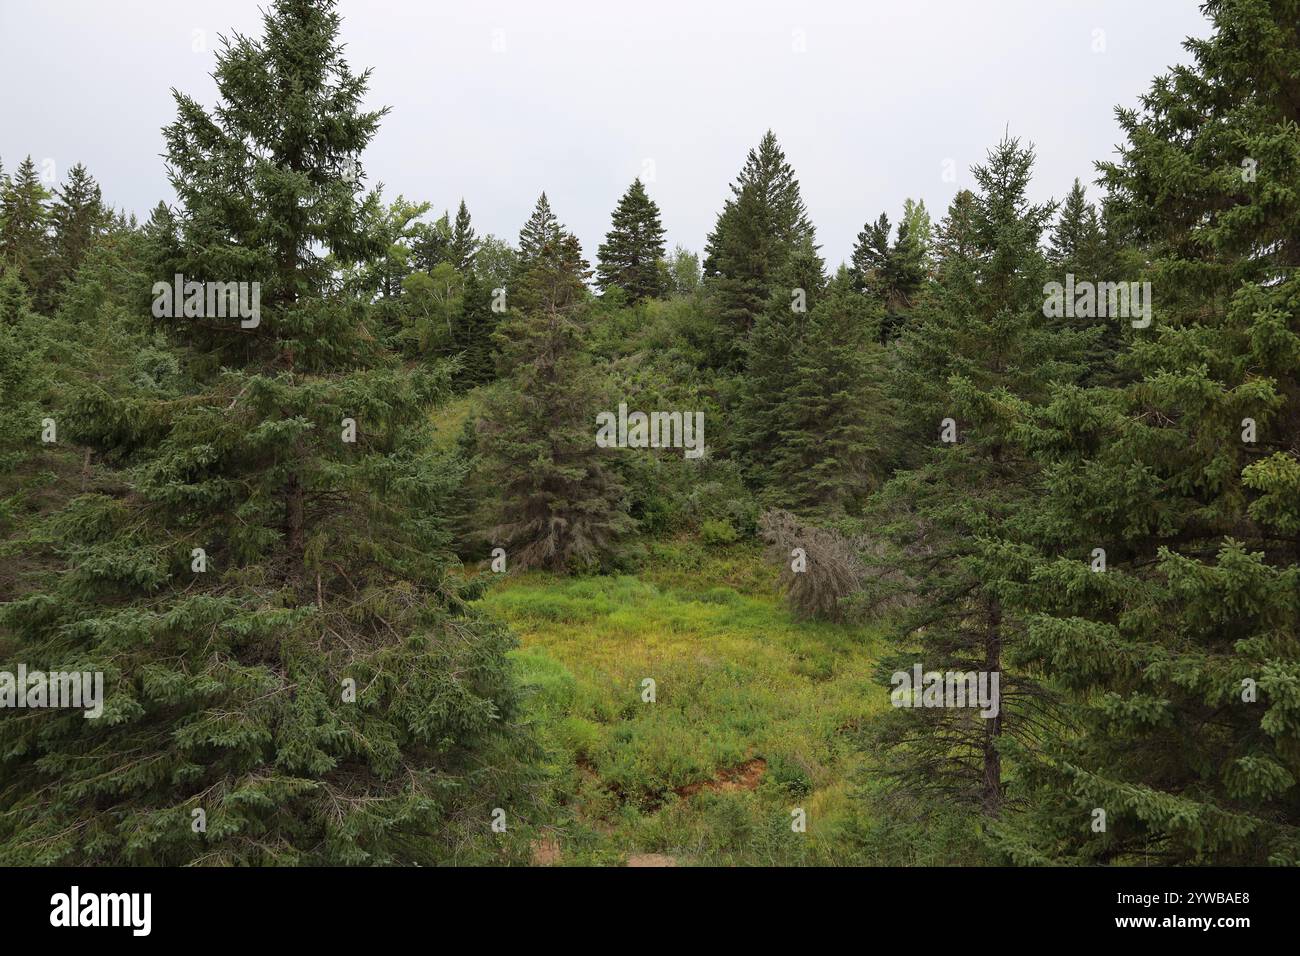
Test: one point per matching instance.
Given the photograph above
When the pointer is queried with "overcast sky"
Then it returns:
(495, 101)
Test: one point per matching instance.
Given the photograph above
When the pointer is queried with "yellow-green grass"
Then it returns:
(449, 418)
(737, 680)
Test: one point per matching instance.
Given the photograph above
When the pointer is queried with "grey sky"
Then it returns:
(869, 99)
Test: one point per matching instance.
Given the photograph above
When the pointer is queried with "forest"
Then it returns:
(337, 531)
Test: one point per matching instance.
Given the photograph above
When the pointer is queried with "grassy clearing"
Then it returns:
(449, 418)
(755, 713)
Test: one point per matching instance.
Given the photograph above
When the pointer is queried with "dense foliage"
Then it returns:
(270, 526)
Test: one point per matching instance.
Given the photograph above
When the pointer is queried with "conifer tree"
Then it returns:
(431, 244)
(832, 418)
(78, 217)
(475, 329)
(1076, 237)
(760, 227)
(958, 515)
(541, 233)
(630, 255)
(768, 375)
(25, 215)
(560, 505)
(463, 244)
(1182, 656)
(893, 274)
(1079, 249)
(21, 375)
(291, 674)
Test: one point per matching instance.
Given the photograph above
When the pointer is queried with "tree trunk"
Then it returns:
(993, 725)
(295, 536)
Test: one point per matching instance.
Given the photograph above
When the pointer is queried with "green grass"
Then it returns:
(737, 679)
(449, 418)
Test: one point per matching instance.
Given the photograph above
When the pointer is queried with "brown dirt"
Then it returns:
(546, 852)
(743, 776)
(651, 859)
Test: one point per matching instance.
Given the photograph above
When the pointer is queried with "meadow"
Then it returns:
(755, 716)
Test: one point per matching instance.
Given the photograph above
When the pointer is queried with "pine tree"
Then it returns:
(630, 255)
(25, 240)
(267, 590)
(463, 243)
(559, 505)
(980, 346)
(760, 227)
(1182, 656)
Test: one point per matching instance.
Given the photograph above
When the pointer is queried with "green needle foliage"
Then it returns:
(630, 255)
(292, 675)
(1182, 658)
(557, 502)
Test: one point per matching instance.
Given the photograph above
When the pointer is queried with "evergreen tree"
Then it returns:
(25, 215)
(1078, 248)
(432, 244)
(78, 217)
(630, 255)
(768, 375)
(541, 233)
(894, 274)
(559, 505)
(1076, 237)
(1181, 659)
(267, 591)
(21, 378)
(833, 421)
(760, 227)
(475, 329)
(958, 516)
(463, 244)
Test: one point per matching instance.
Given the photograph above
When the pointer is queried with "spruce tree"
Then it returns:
(541, 233)
(768, 376)
(832, 418)
(560, 504)
(958, 516)
(432, 244)
(24, 225)
(78, 217)
(463, 244)
(475, 329)
(1076, 237)
(760, 227)
(630, 255)
(1182, 656)
(266, 587)
(22, 375)
(893, 274)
